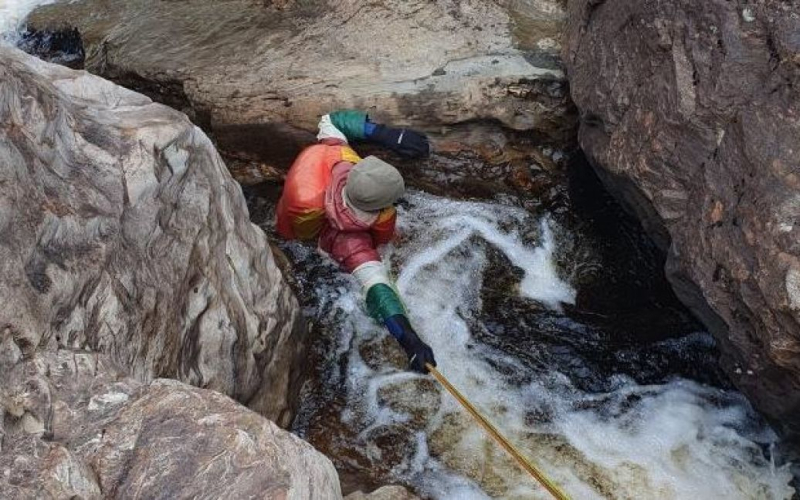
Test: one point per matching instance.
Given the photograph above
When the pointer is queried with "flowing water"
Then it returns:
(599, 435)
(12, 16)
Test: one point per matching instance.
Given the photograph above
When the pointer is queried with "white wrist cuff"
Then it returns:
(327, 130)
(370, 274)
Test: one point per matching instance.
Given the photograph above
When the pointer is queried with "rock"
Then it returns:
(123, 233)
(111, 436)
(33, 468)
(266, 71)
(690, 112)
(384, 493)
(211, 447)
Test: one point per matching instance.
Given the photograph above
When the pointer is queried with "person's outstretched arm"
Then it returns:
(356, 253)
(356, 125)
(384, 304)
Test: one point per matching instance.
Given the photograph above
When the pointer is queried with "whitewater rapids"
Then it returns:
(676, 440)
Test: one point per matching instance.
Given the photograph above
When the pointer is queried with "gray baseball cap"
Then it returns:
(373, 185)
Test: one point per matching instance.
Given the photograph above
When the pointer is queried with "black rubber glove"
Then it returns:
(405, 142)
(419, 353)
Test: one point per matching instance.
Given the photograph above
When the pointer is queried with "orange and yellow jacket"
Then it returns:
(312, 206)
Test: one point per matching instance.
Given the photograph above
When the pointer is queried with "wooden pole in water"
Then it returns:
(495, 434)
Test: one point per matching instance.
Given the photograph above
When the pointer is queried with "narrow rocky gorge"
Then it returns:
(658, 138)
(131, 270)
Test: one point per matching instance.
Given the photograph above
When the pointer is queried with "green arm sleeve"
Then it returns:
(350, 122)
(383, 302)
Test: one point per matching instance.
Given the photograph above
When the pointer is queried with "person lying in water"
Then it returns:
(347, 204)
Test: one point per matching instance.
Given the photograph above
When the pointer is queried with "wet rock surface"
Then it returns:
(689, 112)
(257, 75)
(123, 233)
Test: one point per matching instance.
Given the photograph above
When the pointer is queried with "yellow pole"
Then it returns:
(495, 434)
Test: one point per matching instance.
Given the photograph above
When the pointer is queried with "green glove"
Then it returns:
(350, 122)
(383, 302)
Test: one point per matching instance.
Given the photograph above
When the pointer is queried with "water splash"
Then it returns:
(12, 17)
(674, 440)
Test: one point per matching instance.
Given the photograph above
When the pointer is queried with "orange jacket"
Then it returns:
(312, 206)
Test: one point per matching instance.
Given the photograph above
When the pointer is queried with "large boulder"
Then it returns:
(73, 426)
(690, 112)
(258, 74)
(123, 233)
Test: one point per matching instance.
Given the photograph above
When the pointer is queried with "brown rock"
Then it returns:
(254, 69)
(204, 446)
(112, 437)
(690, 112)
(124, 233)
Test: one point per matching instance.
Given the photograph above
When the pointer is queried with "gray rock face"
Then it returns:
(690, 111)
(123, 233)
(73, 426)
(244, 69)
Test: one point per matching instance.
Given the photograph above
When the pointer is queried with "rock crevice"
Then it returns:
(689, 116)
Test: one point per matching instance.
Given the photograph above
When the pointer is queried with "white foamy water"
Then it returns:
(679, 440)
(12, 15)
